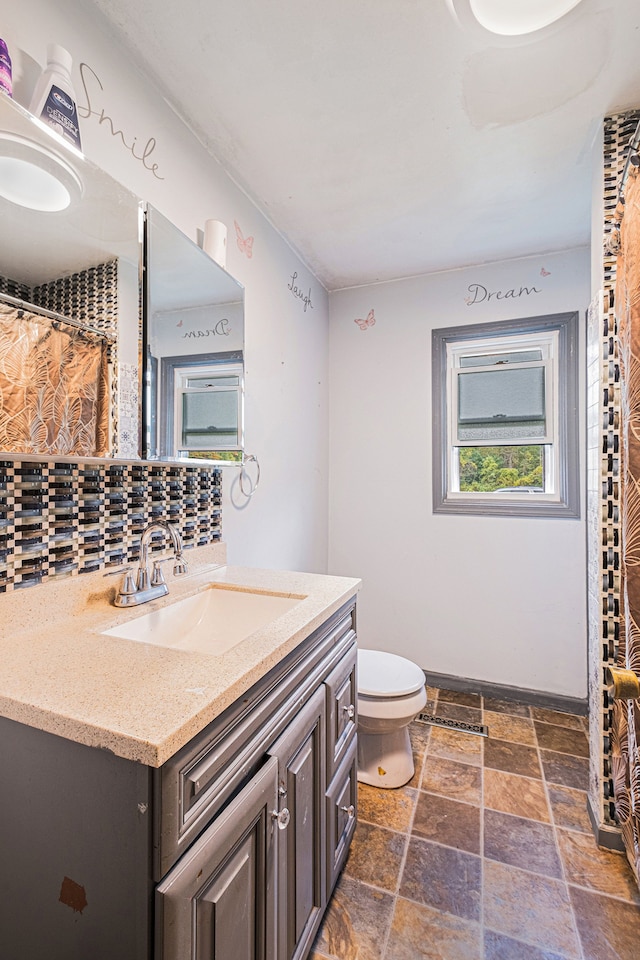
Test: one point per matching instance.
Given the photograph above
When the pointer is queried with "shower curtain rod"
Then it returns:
(49, 314)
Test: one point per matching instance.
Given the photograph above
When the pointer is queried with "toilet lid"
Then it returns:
(382, 674)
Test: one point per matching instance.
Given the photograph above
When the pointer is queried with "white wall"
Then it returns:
(286, 413)
(495, 599)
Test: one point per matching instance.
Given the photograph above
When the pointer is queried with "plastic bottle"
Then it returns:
(54, 99)
(5, 69)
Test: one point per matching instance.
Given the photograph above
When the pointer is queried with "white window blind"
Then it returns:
(505, 417)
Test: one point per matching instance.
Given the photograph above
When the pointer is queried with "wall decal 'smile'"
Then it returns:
(87, 110)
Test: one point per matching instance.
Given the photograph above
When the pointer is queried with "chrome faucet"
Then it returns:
(149, 585)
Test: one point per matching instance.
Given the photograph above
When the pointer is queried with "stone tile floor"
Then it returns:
(487, 854)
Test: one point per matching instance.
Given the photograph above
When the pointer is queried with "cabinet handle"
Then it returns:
(283, 818)
(350, 711)
(350, 811)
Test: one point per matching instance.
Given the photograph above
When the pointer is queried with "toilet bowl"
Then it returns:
(391, 691)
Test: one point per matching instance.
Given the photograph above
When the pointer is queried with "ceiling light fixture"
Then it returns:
(34, 176)
(509, 19)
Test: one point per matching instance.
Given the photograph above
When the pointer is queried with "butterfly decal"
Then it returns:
(545, 273)
(367, 322)
(179, 323)
(244, 246)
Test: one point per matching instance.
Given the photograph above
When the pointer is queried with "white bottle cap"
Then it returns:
(58, 54)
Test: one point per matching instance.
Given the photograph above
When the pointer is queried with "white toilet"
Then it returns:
(391, 691)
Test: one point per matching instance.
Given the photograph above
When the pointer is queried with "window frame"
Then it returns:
(565, 500)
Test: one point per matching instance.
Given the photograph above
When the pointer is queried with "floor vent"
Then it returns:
(479, 729)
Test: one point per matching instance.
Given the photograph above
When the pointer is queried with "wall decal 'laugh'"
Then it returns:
(368, 321)
(244, 246)
(298, 292)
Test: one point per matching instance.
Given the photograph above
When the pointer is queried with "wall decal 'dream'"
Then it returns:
(478, 293)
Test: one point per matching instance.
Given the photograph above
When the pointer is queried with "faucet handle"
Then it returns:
(180, 566)
(128, 585)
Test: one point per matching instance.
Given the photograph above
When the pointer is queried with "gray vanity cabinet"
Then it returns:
(287, 841)
(229, 851)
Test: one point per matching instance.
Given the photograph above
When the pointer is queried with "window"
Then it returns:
(200, 406)
(505, 423)
(208, 409)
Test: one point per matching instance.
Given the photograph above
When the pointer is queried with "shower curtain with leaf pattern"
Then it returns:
(54, 386)
(625, 735)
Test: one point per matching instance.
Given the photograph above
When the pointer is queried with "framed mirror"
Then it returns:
(193, 398)
(69, 298)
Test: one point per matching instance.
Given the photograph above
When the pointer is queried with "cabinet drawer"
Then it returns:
(342, 708)
(342, 798)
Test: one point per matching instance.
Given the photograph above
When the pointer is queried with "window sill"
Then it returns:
(511, 507)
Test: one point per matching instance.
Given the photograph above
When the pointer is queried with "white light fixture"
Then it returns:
(510, 19)
(36, 177)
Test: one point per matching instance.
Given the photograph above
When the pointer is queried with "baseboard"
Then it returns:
(535, 698)
(606, 835)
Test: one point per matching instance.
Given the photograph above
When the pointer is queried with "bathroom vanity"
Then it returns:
(213, 826)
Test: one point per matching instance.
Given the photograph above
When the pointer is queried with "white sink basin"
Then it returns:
(211, 621)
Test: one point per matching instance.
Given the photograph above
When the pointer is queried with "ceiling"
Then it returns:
(382, 139)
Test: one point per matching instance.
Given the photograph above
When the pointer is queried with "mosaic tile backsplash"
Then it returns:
(64, 518)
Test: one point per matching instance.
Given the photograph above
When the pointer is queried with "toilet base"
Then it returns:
(385, 759)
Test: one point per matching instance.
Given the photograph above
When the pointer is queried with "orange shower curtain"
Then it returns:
(625, 736)
(54, 387)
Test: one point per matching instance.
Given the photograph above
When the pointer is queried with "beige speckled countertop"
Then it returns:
(142, 702)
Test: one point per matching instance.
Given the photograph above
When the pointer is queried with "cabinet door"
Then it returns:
(342, 692)
(218, 902)
(342, 798)
(301, 753)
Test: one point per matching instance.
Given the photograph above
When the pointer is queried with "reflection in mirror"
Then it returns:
(69, 298)
(194, 350)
